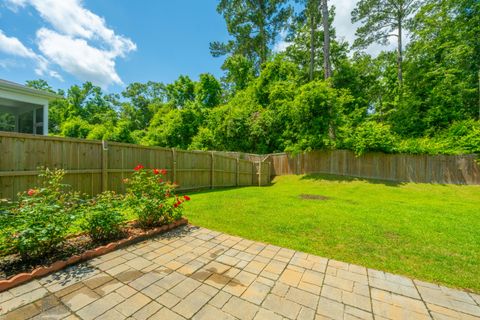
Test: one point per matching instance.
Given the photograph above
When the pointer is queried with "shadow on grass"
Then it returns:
(220, 189)
(337, 178)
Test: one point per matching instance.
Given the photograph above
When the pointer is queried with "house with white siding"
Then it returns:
(24, 109)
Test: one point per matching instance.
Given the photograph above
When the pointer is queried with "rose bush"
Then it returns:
(152, 198)
(40, 221)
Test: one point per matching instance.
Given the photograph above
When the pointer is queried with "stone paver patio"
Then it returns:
(195, 273)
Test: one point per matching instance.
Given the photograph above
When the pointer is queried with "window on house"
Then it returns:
(39, 120)
(25, 122)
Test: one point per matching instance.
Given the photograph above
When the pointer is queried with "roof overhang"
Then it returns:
(15, 90)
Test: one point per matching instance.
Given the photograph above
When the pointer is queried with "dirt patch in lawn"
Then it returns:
(313, 197)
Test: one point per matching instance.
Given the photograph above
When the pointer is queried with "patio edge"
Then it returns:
(87, 255)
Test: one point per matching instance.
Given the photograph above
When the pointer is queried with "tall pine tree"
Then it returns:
(382, 19)
(254, 24)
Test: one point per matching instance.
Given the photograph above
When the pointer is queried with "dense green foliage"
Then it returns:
(39, 223)
(424, 231)
(152, 198)
(271, 102)
(102, 217)
(43, 217)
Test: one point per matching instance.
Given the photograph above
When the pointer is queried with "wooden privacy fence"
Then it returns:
(444, 169)
(93, 166)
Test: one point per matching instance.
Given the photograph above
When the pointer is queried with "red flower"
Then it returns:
(139, 167)
(156, 171)
(31, 192)
(186, 198)
(175, 205)
(163, 172)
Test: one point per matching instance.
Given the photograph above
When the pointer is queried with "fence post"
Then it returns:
(104, 165)
(259, 173)
(269, 179)
(302, 169)
(238, 170)
(174, 165)
(212, 169)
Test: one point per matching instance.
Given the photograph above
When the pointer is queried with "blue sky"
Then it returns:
(169, 38)
(115, 42)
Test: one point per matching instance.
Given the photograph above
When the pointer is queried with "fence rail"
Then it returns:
(443, 169)
(93, 166)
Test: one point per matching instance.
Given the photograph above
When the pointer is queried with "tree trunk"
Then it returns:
(326, 63)
(400, 53)
(326, 40)
(312, 45)
(263, 34)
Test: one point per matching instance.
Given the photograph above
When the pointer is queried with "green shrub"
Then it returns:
(152, 198)
(76, 128)
(423, 146)
(372, 136)
(6, 225)
(103, 218)
(40, 221)
(464, 136)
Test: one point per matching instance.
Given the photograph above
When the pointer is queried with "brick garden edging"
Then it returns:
(87, 255)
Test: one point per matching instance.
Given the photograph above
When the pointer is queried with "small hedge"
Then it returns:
(103, 217)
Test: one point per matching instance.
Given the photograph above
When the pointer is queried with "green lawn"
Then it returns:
(429, 232)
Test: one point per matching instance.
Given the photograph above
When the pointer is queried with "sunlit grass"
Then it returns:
(430, 232)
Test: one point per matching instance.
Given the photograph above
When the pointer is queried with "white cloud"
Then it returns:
(14, 5)
(346, 30)
(281, 45)
(78, 40)
(55, 74)
(70, 18)
(80, 59)
(14, 47)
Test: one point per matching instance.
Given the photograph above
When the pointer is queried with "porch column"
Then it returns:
(34, 130)
(17, 128)
(45, 119)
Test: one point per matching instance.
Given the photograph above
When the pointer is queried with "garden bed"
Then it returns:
(15, 271)
(39, 233)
